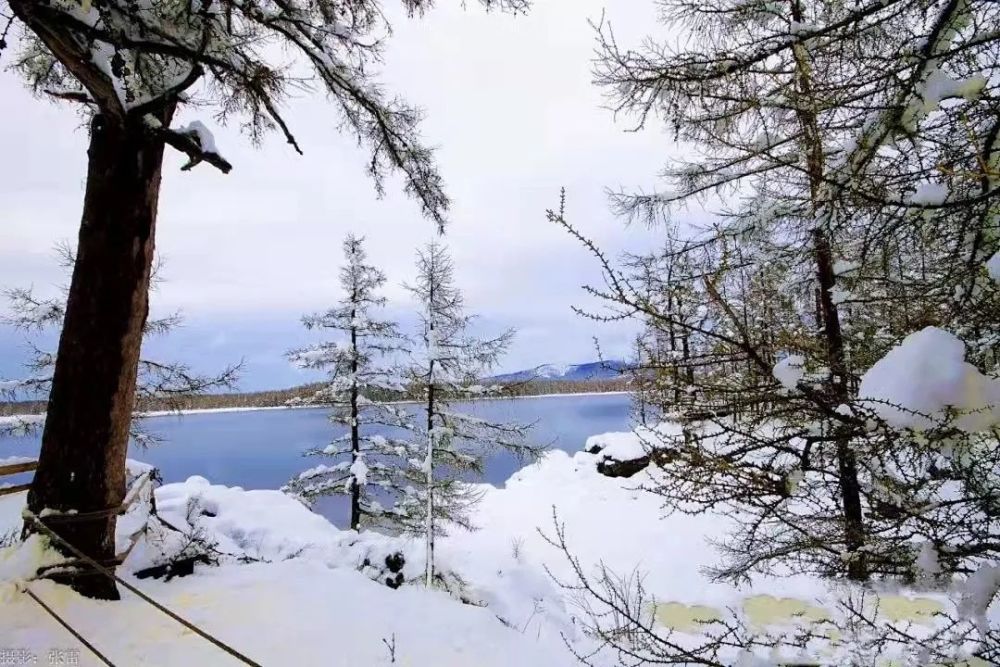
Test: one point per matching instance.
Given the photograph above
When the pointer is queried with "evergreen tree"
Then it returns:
(448, 365)
(361, 377)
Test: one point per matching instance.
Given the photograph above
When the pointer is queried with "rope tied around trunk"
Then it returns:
(94, 515)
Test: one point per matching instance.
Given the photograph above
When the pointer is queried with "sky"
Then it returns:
(512, 110)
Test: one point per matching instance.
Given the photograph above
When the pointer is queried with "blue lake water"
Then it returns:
(264, 449)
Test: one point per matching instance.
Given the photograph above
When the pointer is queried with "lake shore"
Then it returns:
(152, 414)
(262, 408)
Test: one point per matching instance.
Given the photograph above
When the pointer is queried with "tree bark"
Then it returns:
(850, 488)
(355, 434)
(832, 335)
(84, 445)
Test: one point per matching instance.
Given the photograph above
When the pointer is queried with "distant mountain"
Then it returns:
(595, 370)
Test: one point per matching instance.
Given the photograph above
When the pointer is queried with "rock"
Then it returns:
(395, 562)
(610, 467)
(181, 567)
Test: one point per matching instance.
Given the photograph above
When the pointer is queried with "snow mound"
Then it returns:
(267, 526)
(289, 588)
(923, 376)
(790, 371)
(993, 267)
(629, 445)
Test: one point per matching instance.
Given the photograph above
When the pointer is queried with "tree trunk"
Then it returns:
(832, 335)
(82, 462)
(850, 489)
(355, 435)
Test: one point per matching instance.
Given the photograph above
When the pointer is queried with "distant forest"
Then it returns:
(281, 397)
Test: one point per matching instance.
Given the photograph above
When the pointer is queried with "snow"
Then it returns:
(360, 471)
(927, 561)
(915, 383)
(21, 563)
(290, 587)
(840, 295)
(206, 140)
(295, 612)
(980, 590)
(798, 28)
(939, 86)
(790, 371)
(993, 267)
(929, 194)
(11, 385)
(553, 370)
(631, 444)
(843, 267)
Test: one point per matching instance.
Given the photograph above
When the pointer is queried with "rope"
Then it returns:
(103, 570)
(130, 497)
(69, 628)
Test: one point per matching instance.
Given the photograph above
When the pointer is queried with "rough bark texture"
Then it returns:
(82, 462)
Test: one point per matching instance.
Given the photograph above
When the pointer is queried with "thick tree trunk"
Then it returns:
(82, 462)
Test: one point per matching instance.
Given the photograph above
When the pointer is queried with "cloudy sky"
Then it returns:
(510, 104)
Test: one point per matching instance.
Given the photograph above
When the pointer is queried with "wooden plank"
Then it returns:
(120, 558)
(133, 493)
(7, 490)
(15, 468)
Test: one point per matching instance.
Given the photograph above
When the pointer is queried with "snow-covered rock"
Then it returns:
(624, 454)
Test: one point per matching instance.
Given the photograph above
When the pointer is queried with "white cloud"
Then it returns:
(509, 102)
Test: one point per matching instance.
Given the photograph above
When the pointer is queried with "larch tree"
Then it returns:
(448, 365)
(835, 142)
(849, 154)
(133, 66)
(361, 378)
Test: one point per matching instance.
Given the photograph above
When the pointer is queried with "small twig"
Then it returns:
(391, 647)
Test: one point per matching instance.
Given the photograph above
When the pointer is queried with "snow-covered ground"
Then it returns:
(316, 595)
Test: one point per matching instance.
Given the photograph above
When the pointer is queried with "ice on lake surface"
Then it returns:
(264, 449)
